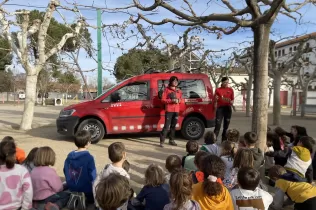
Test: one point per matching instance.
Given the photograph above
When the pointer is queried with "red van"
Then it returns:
(134, 106)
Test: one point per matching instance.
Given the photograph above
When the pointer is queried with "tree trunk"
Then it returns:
(304, 100)
(171, 63)
(269, 100)
(260, 93)
(29, 103)
(248, 96)
(276, 99)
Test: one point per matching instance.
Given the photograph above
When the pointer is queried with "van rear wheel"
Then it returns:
(193, 128)
(95, 127)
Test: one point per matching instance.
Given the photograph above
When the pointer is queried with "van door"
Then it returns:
(129, 106)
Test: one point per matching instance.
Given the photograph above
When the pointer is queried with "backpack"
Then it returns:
(77, 201)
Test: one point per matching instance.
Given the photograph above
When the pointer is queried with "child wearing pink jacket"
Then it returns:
(47, 185)
(15, 183)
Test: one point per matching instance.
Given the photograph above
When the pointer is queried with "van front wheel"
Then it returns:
(95, 127)
(193, 128)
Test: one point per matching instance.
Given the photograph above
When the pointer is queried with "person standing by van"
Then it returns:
(171, 97)
(224, 99)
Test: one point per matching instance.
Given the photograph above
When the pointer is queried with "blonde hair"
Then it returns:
(112, 191)
(154, 176)
(181, 188)
(45, 156)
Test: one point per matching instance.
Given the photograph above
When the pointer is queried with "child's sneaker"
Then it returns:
(51, 206)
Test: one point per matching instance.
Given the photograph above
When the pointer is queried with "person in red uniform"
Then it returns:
(171, 97)
(224, 99)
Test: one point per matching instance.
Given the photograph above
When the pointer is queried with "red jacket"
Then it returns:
(168, 95)
(223, 96)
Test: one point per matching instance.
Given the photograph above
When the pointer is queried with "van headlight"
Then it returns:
(66, 113)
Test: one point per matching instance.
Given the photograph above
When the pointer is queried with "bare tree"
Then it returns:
(33, 66)
(247, 64)
(304, 80)
(175, 52)
(278, 67)
(251, 16)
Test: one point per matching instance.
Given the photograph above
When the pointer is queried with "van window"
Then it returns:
(191, 88)
(137, 91)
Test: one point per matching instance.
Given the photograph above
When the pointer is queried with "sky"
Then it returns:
(283, 26)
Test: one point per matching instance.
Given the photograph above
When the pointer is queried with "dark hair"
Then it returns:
(242, 141)
(30, 157)
(126, 165)
(198, 159)
(268, 129)
(275, 172)
(173, 162)
(7, 153)
(224, 79)
(116, 151)
(243, 158)
(279, 131)
(82, 138)
(308, 142)
(248, 178)
(233, 135)
(173, 78)
(112, 191)
(301, 131)
(227, 148)
(45, 156)
(273, 140)
(214, 166)
(210, 138)
(192, 147)
(250, 138)
(8, 138)
(154, 176)
(181, 188)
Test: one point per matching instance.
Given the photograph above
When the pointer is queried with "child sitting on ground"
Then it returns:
(301, 193)
(248, 195)
(192, 147)
(251, 140)
(20, 153)
(212, 194)
(243, 158)
(227, 155)
(210, 145)
(28, 163)
(282, 136)
(117, 155)
(79, 167)
(242, 142)
(155, 193)
(298, 159)
(112, 192)
(269, 161)
(47, 185)
(181, 189)
(198, 176)
(16, 191)
(173, 163)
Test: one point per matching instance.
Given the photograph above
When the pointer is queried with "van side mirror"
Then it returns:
(115, 97)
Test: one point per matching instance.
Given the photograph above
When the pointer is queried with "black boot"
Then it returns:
(162, 140)
(172, 142)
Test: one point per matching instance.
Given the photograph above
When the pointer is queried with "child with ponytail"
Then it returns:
(212, 194)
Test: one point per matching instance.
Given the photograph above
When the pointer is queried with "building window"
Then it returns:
(279, 65)
(283, 52)
(290, 49)
(294, 48)
(276, 54)
(307, 59)
(307, 45)
(279, 53)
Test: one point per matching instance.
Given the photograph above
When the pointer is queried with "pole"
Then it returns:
(99, 53)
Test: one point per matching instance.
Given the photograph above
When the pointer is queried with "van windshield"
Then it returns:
(107, 90)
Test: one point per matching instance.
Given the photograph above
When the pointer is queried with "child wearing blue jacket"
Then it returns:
(79, 168)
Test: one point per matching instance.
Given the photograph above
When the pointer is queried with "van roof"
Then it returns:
(165, 75)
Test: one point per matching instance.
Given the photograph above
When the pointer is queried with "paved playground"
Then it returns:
(142, 149)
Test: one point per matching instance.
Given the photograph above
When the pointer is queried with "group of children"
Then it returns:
(214, 176)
